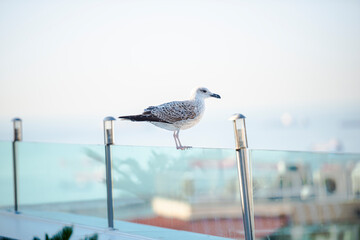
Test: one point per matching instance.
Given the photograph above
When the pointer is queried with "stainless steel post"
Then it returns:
(109, 140)
(17, 123)
(244, 174)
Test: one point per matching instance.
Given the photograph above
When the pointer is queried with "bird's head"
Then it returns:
(202, 93)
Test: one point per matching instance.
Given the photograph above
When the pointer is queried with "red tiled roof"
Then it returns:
(223, 227)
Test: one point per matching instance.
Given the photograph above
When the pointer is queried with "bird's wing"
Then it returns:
(173, 111)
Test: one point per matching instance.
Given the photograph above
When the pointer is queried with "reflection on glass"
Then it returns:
(314, 194)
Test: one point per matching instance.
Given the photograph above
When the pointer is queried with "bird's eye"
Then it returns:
(203, 90)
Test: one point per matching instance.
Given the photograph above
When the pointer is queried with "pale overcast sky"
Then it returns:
(99, 58)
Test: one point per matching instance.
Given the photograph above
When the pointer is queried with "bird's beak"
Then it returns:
(215, 95)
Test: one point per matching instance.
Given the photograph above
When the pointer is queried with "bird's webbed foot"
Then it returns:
(183, 147)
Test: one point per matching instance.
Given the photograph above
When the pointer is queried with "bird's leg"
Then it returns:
(178, 139)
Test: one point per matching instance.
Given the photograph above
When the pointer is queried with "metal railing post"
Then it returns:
(108, 141)
(17, 125)
(244, 174)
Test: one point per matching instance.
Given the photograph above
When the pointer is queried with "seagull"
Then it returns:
(177, 115)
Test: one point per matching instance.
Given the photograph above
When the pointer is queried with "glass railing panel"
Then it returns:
(6, 176)
(55, 179)
(309, 195)
(195, 190)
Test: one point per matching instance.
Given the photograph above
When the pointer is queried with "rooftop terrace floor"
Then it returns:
(26, 226)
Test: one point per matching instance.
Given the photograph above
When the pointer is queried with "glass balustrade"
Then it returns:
(6, 176)
(297, 195)
(54, 179)
(193, 190)
(306, 195)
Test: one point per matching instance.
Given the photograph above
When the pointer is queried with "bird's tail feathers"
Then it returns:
(145, 117)
(135, 118)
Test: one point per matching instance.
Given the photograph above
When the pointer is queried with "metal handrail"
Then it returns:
(244, 175)
(108, 141)
(17, 125)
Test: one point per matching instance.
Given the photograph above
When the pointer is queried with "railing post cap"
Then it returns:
(109, 119)
(16, 119)
(236, 117)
